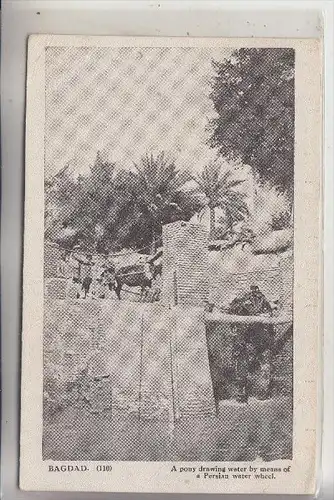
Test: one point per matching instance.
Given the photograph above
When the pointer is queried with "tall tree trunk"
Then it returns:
(212, 223)
(228, 222)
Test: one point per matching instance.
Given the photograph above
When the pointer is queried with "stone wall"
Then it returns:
(185, 264)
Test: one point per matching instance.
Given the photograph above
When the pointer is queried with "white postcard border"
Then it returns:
(156, 476)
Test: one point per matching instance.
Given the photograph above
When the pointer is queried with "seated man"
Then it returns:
(253, 303)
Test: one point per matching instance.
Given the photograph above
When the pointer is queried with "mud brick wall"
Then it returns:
(185, 264)
(69, 339)
(156, 390)
(140, 359)
(122, 322)
(55, 286)
(193, 389)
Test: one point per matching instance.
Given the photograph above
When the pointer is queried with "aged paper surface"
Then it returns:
(171, 302)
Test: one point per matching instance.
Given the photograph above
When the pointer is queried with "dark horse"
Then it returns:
(136, 275)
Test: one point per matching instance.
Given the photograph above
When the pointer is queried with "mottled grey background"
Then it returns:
(126, 102)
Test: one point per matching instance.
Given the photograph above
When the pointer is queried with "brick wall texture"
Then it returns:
(185, 264)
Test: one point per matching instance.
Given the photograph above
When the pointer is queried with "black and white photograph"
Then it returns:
(168, 254)
(171, 271)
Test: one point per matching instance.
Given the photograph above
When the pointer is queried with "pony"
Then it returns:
(136, 275)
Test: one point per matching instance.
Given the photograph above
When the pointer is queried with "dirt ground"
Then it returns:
(240, 432)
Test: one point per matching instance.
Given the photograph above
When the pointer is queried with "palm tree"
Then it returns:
(157, 183)
(218, 186)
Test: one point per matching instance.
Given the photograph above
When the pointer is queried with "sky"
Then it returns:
(125, 102)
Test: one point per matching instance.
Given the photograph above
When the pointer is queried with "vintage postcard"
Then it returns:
(172, 270)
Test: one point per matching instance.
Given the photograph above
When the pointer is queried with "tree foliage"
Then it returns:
(90, 207)
(253, 96)
(156, 185)
(110, 209)
(218, 185)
